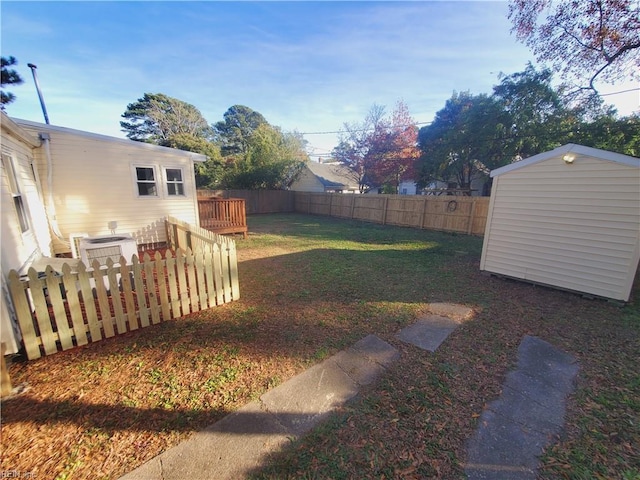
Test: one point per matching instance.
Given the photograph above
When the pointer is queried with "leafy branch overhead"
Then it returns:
(584, 40)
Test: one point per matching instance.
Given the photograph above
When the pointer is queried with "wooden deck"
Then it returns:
(223, 215)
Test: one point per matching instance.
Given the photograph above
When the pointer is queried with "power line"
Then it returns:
(621, 91)
(354, 130)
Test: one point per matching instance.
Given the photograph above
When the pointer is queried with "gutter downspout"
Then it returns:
(51, 208)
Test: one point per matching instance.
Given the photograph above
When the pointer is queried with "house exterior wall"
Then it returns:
(93, 181)
(574, 226)
(407, 188)
(18, 247)
(307, 182)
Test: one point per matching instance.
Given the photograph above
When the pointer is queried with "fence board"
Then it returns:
(73, 302)
(191, 277)
(210, 273)
(108, 320)
(60, 316)
(141, 297)
(127, 291)
(44, 321)
(172, 286)
(224, 264)
(233, 272)
(202, 286)
(217, 274)
(89, 303)
(163, 268)
(183, 287)
(151, 287)
(116, 299)
(23, 312)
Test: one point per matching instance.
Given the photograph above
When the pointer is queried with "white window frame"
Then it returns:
(15, 189)
(167, 182)
(136, 182)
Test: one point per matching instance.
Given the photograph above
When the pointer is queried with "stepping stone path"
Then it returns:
(512, 432)
(514, 429)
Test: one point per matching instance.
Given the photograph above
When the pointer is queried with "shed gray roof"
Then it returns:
(334, 175)
(569, 149)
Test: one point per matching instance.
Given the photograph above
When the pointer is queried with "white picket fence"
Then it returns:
(61, 310)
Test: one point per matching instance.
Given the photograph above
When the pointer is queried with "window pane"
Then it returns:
(174, 175)
(22, 216)
(147, 189)
(145, 173)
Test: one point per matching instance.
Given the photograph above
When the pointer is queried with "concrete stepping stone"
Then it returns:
(430, 331)
(515, 428)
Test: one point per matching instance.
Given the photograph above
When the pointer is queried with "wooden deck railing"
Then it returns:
(223, 215)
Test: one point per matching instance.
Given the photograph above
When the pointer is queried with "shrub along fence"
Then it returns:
(75, 306)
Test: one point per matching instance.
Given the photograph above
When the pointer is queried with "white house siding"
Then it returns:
(307, 182)
(574, 226)
(19, 248)
(93, 182)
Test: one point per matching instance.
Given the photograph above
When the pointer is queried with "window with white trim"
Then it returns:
(146, 182)
(175, 181)
(14, 189)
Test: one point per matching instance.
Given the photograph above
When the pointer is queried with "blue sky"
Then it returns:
(306, 66)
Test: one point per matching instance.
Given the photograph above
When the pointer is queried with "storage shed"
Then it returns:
(567, 218)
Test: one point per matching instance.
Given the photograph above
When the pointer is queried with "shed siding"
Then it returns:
(572, 226)
(94, 183)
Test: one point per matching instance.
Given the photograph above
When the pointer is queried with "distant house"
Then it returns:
(326, 177)
(57, 182)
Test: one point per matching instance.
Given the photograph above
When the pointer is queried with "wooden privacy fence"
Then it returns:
(466, 215)
(257, 201)
(223, 215)
(61, 310)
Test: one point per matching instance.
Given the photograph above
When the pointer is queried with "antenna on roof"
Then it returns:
(35, 80)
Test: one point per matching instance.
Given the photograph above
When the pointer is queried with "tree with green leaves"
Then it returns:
(539, 115)
(235, 131)
(9, 77)
(271, 160)
(608, 132)
(208, 173)
(584, 40)
(465, 140)
(157, 118)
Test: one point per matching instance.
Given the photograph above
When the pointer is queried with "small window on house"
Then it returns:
(175, 183)
(14, 189)
(146, 180)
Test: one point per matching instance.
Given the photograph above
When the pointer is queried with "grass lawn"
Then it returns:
(310, 287)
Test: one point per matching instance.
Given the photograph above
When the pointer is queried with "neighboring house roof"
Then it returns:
(334, 176)
(570, 149)
(196, 157)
